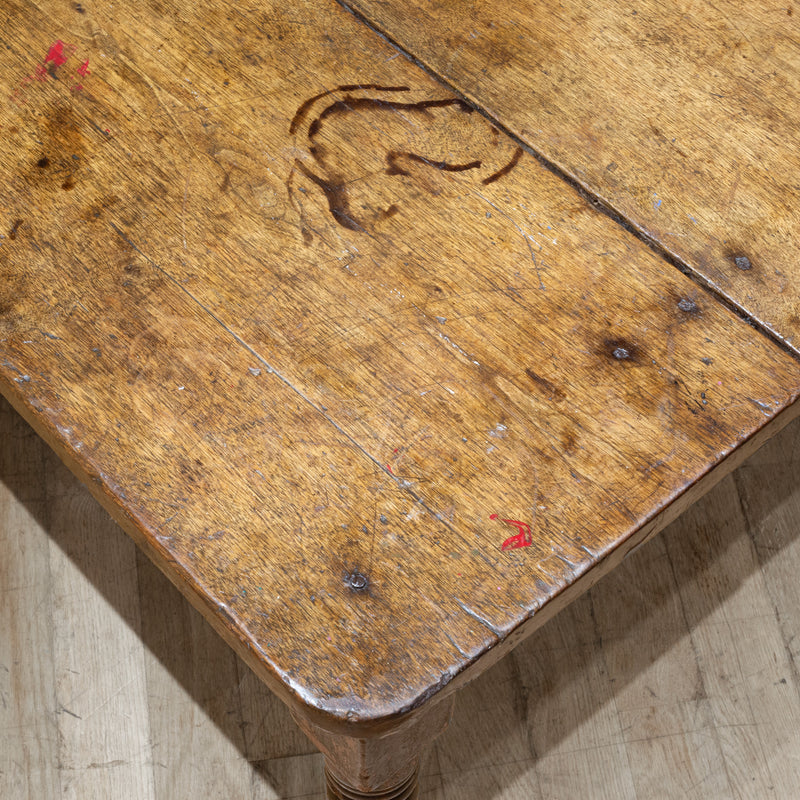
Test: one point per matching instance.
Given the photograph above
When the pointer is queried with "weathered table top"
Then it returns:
(346, 354)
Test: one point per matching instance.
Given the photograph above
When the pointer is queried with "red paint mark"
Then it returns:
(56, 54)
(394, 453)
(521, 539)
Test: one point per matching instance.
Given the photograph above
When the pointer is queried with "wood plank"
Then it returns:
(28, 737)
(681, 116)
(518, 710)
(107, 714)
(769, 501)
(312, 356)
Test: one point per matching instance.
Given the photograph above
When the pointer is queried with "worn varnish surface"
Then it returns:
(681, 116)
(368, 383)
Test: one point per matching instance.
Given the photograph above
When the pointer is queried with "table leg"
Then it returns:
(379, 766)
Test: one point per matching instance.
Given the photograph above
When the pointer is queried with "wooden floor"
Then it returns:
(676, 677)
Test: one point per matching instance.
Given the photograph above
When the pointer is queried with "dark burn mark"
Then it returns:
(301, 112)
(336, 194)
(350, 103)
(394, 169)
(621, 350)
(68, 184)
(43, 162)
(503, 171)
(335, 185)
(12, 234)
(550, 388)
(356, 581)
(742, 262)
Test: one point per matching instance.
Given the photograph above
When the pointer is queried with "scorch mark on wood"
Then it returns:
(335, 179)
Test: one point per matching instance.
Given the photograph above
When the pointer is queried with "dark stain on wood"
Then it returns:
(334, 186)
(336, 194)
(304, 108)
(349, 103)
(569, 442)
(12, 234)
(553, 392)
(495, 176)
(393, 156)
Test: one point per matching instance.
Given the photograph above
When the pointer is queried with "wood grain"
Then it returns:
(681, 116)
(321, 364)
(592, 705)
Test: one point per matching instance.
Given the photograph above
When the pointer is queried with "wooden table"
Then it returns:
(381, 367)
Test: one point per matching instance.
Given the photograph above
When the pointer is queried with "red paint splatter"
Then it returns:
(389, 467)
(56, 54)
(521, 539)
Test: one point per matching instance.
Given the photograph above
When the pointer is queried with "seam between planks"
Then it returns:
(598, 202)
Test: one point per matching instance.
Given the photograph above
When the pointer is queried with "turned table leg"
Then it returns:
(384, 765)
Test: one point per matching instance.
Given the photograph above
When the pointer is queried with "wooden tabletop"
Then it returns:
(341, 348)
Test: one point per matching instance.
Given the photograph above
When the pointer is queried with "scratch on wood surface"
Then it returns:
(156, 90)
(478, 618)
(455, 644)
(522, 233)
(183, 211)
